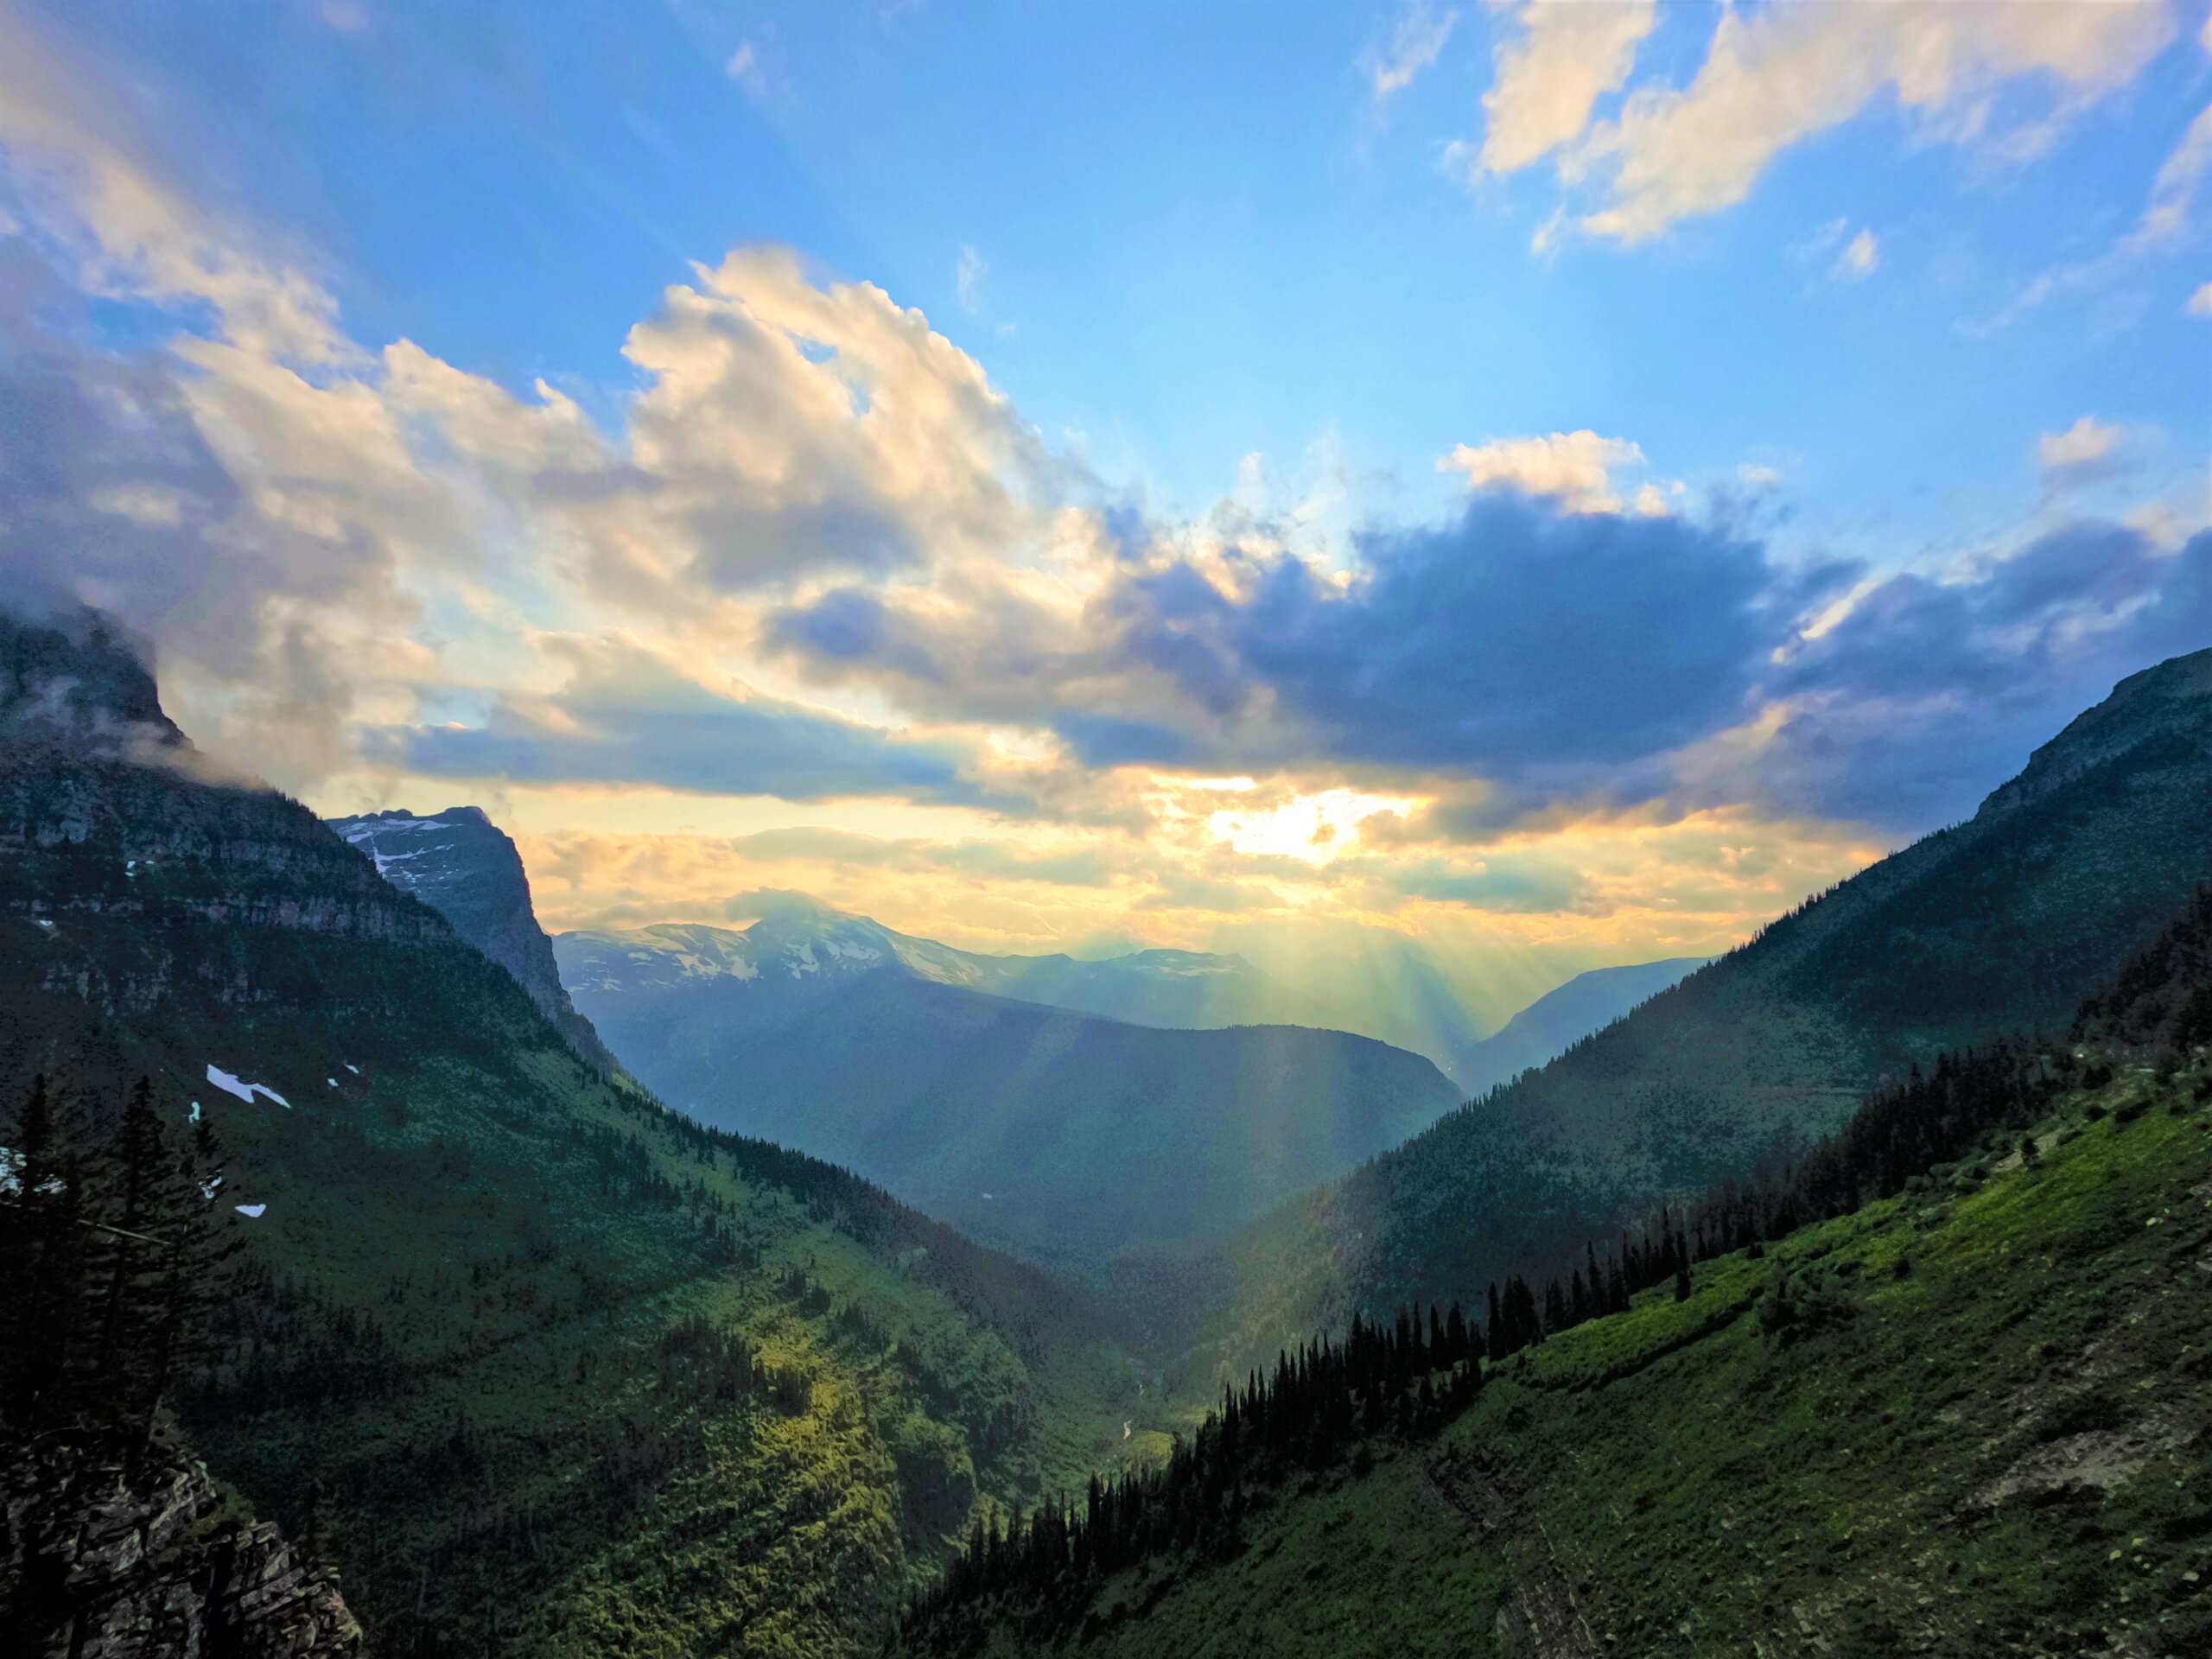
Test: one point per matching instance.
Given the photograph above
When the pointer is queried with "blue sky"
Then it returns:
(1801, 324)
(1200, 236)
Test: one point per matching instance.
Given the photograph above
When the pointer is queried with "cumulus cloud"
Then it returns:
(1566, 55)
(1775, 76)
(1573, 468)
(2090, 448)
(1414, 45)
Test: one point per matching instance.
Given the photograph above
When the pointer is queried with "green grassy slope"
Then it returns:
(545, 1368)
(2001, 924)
(1983, 1431)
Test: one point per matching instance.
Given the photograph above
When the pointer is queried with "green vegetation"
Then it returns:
(1964, 1418)
(543, 1367)
(1970, 1419)
(2001, 924)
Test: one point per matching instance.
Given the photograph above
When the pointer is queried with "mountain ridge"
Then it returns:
(538, 1362)
(468, 869)
(2004, 922)
(1067, 1135)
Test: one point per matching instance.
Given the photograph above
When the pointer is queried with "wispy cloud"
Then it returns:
(1776, 76)
(1860, 259)
(968, 279)
(743, 66)
(2163, 224)
(1414, 44)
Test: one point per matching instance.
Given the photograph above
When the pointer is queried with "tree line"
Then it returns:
(1411, 1375)
(115, 1256)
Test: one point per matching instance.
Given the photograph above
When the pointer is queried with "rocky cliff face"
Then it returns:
(99, 1559)
(465, 868)
(110, 819)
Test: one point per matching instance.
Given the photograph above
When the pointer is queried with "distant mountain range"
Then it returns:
(1557, 1021)
(1065, 1133)
(464, 866)
(2003, 923)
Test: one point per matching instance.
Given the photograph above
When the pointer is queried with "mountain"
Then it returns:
(1193, 990)
(2001, 923)
(1067, 1136)
(464, 866)
(543, 1367)
(1966, 1417)
(1557, 1021)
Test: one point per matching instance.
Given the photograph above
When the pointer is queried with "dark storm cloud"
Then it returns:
(1515, 639)
(1928, 695)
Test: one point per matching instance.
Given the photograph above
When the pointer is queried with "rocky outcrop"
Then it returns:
(466, 867)
(106, 1559)
(1541, 1619)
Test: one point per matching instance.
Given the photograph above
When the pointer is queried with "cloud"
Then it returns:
(1861, 257)
(745, 68)
(1550, 77)
(1445, 652)
(1929, 690)
(789, 426)
(1573, 468)
(1415, 45)
(625, 717)
(968, 278)
(2086, 450)
(2200, 303)
(2164, 222)
(131, 232)
(1780, 74)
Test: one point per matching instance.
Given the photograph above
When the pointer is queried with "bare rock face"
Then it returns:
(464, 866)
(106, 1559)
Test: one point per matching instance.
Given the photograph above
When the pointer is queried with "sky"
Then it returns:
(1542, 484)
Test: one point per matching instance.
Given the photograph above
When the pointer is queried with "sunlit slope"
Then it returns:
(2003, 923)
(546, 1369)
(1065, 1136)
(1981, 1427)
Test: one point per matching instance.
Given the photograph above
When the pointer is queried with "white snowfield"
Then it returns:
(230, 1085)
(252, 1211)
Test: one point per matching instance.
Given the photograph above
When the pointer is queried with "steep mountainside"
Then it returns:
(1066, 1135)
(545, 1368)
(464, 866)
(1972, 1418)
(2003, 923)
(1560, 1019)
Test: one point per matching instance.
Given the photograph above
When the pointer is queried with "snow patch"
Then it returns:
(231, 1085)
(42, 922)
(252, 1211)
(355, 1069)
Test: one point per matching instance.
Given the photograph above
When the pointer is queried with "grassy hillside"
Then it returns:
(1980, 1428)
(1064, 1135)
(545, 1368)
(2003, 923)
